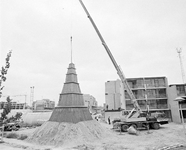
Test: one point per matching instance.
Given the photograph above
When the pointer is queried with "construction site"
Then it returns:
(142, 113)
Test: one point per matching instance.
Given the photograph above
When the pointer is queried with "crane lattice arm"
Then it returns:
(119, 72)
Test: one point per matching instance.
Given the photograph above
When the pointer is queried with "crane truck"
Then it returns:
(136, 117)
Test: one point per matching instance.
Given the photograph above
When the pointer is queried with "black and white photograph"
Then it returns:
(92, 74)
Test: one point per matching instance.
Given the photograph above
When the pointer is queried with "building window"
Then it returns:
(142, 104)
(161, 82)
(139, 94)
(151, 93)
(161, 93)
(181, 90)
(131, 83)
(162, 104)
(149, 82)
(135, 83)
(183, 104)
(153, 104)
(184, 113)
(129, 105)
(140, 83)
(158, 104)
(127, 95)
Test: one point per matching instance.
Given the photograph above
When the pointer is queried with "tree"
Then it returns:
(4, 71)
(18, 116)
(6, 109)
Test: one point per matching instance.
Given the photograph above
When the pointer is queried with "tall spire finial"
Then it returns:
(71, 47)
(181, 64)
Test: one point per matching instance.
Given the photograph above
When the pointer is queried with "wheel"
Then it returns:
(124, 128)
(156, 126)
(151, 126)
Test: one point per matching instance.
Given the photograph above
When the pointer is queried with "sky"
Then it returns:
(143, 36)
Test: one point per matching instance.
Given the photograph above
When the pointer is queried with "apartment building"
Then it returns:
(14, 105)
(114, 95)
(150, 92)
(177, 90)
(91, 103)
(89, 100)
(43, 104)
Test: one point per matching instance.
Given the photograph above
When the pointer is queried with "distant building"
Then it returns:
(43, 104)
(14, 105)
(91, 103)
(114, 95)
(89, 100)
(177, 90)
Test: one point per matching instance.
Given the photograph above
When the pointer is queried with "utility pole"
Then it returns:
(181, 64)
(31, 96)
(25, 101)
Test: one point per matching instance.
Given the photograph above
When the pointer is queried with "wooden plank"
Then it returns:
(71, 100)
(73, 115)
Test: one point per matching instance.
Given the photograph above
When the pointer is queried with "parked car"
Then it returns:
(13, 126)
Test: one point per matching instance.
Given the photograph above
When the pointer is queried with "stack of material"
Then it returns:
(70, 121)
(132, 130)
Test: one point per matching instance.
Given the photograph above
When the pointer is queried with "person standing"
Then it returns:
(109, 119)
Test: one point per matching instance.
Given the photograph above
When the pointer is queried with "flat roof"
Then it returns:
(155, 77)
(177, 84)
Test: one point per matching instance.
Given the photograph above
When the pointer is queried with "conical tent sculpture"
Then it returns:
(70, 122)
(71, 104)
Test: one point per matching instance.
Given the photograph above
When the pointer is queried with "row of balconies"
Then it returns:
(146, 83)
(15, 106)
(141, 94)
(153, 104)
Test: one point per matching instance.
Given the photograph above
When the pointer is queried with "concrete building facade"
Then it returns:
(113, 95)
(150, 92)
(91, 103)
(14, 105)
(43, 104)
(89, 100)
(177, 90)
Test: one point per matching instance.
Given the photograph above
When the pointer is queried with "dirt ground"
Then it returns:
(168, 136)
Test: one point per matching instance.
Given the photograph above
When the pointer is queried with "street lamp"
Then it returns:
(180, 99)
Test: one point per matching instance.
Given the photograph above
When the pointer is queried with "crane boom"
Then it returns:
(119, 72)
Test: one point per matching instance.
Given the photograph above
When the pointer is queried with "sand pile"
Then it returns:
(55, 133)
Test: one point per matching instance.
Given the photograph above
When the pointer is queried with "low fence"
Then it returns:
(36, 117)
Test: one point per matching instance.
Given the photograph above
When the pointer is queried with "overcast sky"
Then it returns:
(142, 35)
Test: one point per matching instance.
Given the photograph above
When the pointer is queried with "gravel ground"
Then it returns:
(169, 137)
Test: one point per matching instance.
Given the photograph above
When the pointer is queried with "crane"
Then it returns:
(119, 71)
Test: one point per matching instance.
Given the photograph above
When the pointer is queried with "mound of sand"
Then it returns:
(57, 134)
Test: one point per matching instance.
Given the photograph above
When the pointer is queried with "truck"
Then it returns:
(136, 117)
(143, 121)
